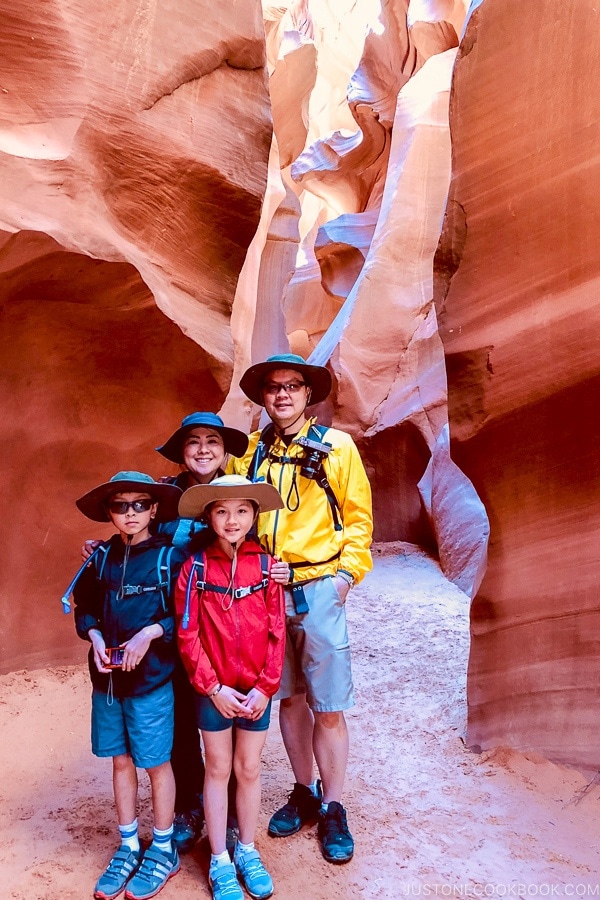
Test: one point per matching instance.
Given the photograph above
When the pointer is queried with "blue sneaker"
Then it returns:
(255, 877)
(155, 870)
(117, 873)
(224, 883)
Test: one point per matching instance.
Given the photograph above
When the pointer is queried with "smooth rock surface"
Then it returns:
(517, 298)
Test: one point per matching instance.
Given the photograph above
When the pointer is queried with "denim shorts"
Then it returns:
(317, 651)
(210, 719)
(141, 726)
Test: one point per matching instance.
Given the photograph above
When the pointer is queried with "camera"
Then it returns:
(115, 657)
(315, 453)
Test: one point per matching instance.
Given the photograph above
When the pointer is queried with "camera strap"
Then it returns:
(263, 451)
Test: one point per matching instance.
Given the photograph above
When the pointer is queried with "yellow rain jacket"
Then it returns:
(303, 531)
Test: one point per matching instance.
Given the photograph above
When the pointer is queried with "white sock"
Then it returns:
(314, 788)
(243, 848)
(129, 836)
(324, 807)
(219, 859)
(162, 839)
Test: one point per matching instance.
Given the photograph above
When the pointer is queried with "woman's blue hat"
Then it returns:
(236, 442)
(93, 504)
(317, 377)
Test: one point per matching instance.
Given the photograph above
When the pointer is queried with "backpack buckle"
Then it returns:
(130, 590)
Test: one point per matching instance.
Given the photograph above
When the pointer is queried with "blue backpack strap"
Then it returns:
(163, 570)
(198, 562)
(262, 448)
(102, 555)
(101, 550)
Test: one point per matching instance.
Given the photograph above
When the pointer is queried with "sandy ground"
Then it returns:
(429, 817)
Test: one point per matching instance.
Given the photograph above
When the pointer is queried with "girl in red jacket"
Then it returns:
(231, 635)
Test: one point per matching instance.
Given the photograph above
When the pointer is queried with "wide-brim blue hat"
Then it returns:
(93, 504)
(318, 377)
(235, 442)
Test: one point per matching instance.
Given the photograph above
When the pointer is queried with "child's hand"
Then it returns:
(137, 646)
(88, 548)
(256, 703)
(100, 655)
(229, 703)
(280, 572)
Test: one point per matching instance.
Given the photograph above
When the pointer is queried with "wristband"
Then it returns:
(348, 578)
(215, 691)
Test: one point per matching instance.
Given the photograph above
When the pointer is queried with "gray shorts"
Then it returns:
(317, 652)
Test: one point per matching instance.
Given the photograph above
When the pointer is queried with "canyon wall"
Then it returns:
(517, 275)
(270, 180)
(134, 149)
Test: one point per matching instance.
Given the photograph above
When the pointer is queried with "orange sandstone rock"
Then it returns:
(517, 284)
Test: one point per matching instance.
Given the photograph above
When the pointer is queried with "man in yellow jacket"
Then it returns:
(324, 533)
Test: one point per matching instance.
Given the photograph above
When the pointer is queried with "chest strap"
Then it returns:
(199, 564)
(130, 590)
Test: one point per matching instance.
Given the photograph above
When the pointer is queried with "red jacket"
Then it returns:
(243, 646)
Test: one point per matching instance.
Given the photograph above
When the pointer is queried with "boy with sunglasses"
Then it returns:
(123, 607)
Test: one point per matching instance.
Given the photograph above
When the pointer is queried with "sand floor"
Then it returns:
(429, 817)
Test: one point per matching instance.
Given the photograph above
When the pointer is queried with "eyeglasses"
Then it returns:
(273, 387)
(120, 507)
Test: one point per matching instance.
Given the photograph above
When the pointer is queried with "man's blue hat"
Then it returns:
(317, 377)
(93, 504)
(236, 442)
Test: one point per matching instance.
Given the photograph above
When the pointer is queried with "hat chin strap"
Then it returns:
(282, 431)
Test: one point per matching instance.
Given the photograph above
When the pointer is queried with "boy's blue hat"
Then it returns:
(236, 442)
(317, 377)
(93, 504)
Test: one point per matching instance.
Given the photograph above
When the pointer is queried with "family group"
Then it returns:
(224, 589)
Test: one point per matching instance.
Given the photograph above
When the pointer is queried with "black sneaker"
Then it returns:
(187, 828)
(337, 843)
(301, 809)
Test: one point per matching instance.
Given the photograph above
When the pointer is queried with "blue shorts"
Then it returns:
(141, 726)
(317, 653)
(210, 719)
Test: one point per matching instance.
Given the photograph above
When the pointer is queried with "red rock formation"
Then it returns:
(148, 143)
(138, 136)
(150, 149)
(517, 300)
(93, 376)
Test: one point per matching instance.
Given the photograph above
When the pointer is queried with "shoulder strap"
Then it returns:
(198, 562)
(102, 556)
(265, 440)
(163, 569)
(320, 431)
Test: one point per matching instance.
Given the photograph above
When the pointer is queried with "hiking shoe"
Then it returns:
(253, 874)
(224, 884)
(187, 827)
(301, 809)
(337, 843)
(155, 870)
(117, 873)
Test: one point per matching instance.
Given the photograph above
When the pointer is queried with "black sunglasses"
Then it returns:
(120, 507)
